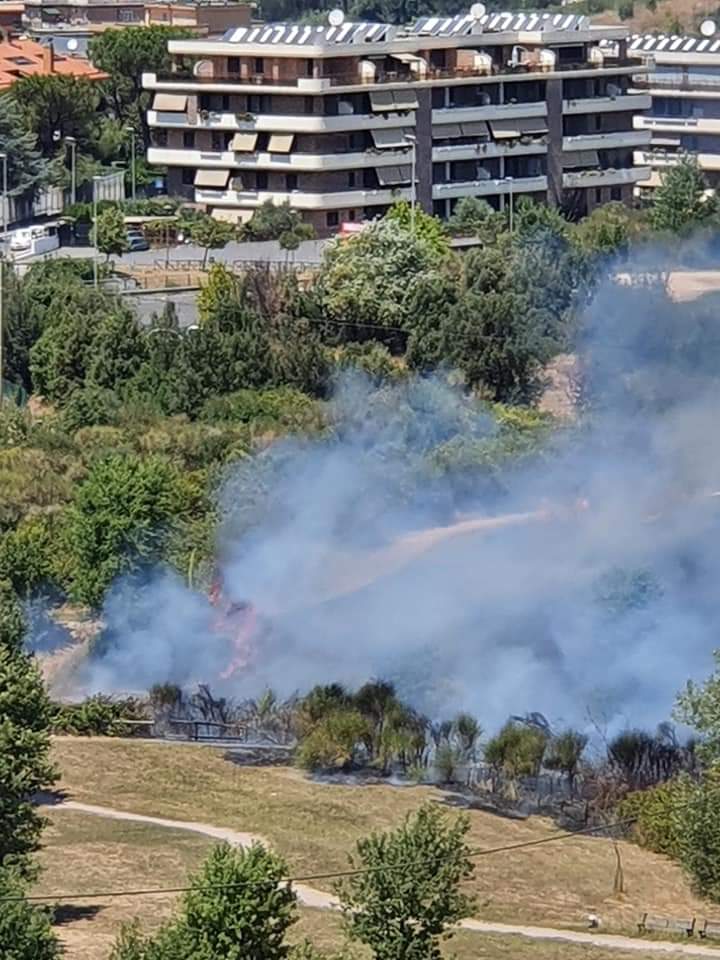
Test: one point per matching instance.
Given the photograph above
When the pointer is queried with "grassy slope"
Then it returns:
(88, 855)
(316, 825)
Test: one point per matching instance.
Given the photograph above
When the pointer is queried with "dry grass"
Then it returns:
(663, 19)
(316, 825)
(89, 854)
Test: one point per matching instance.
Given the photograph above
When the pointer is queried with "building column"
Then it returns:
(423, 158)
(554, 100)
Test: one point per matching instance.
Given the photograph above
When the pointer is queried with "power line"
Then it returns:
(335, 875)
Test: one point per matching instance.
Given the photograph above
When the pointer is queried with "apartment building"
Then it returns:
(335, 118)
(684, 116)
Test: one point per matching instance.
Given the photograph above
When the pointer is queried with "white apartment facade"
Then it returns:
(334, 119)
(684, 117)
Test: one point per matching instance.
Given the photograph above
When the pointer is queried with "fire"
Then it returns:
(237, 620)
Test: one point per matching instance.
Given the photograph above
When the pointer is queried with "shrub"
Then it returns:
(97, 716)
(447, 758)
(658, 814)
(699, 832)
(334, 741)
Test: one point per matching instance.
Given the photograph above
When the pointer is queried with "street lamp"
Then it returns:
(95, 230)
(412, 140)
(131, 131)
(509, 182)
(72, 143)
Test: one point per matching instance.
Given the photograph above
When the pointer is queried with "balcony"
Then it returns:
(169, 80)
(283, 123)
(481, 151)
(494, 111)
(484, 188)
(634, 102)
(607, 141)
(662, 159)
(604, 178)
(678, 124)
(278, 162)
(301, 200)
(679, 84)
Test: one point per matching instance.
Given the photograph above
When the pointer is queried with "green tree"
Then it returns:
(56, 106)
(517, 750)
(121, 517)
(680, 202)
(607, 231)
(125, 55)
(273, 221)
(420, 224)
(565, 753)
(27, 169)
(25, 766)
(698, 706)
(25, 931)
(237, 908)
(408, 895)
(474, 217)
(699, 812)
(110, 234)
(211, 234)
(221, 286)
(334, 741)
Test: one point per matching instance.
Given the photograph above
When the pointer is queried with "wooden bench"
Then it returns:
(650, 923)
(710, 928)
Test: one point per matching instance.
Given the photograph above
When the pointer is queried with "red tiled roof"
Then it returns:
(37, 58)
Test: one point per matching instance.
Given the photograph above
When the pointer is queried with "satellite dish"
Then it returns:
(336, 17)
(708, 28)
(72, 44)
(477, 11)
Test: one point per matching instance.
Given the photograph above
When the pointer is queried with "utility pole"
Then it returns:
(72, 143)
(131, 131)
(412, 140)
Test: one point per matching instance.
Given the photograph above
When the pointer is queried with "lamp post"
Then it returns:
(95, 230)
(509, 182)
(412, 140)
(131, 131)
(72, 143)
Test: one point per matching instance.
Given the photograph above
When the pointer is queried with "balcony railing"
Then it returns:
(391, 76)
(676, 83)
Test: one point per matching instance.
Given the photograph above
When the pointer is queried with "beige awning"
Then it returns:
(508, 129)
(243, 142)
(231, 216)
(475, 128)
(212, 178)
(172, 102)
(390, 139)
(390, 176)
(447, 131)
(280, 142)
(533, 125)
(382, 101)
(407, 58)
(405, 100)
(580, 158)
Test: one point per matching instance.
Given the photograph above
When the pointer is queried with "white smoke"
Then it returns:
(357, 568)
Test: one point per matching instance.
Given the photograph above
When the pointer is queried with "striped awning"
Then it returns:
(281, 142)
(243, 142)
(212, 178)
(390, 176)
(171, 102)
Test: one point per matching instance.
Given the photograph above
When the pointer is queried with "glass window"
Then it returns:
(189, 139)
(332, 218)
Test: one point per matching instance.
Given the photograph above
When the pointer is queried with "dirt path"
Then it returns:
(310, 897)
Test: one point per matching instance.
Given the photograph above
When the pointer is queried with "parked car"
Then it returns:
(137, 242)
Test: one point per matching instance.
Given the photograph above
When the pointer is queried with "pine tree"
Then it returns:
(27, 169)
(679, 203)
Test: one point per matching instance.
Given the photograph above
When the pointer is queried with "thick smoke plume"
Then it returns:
(588, 578)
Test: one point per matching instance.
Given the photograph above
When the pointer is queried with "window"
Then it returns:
(233, 64)
(259, 65)
(351, 178)
(598, 121)
(188, 175)
(217, 141)
(332, 218)
(127, 16)
(598, 195)
(261, 180)
(309, 104)
(225, 102)
(204, 101)
(160, 138)
(189, 139)
(616, 193)
(351, 215)
(357, 141)
(291, 181)
(309, 66)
